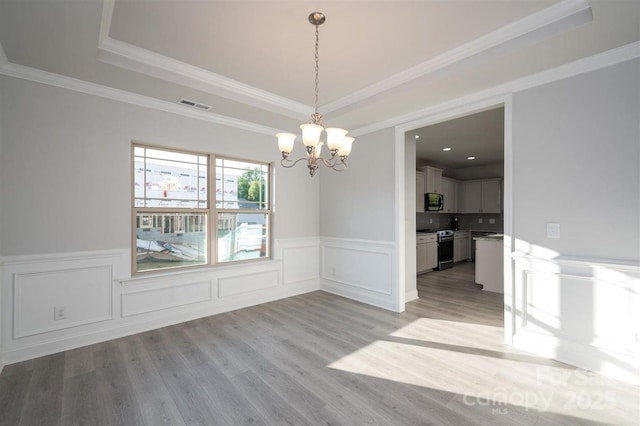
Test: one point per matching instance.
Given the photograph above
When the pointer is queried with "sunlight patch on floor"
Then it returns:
(485, 379)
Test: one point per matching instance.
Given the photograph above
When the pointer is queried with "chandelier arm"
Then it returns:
(292, 163)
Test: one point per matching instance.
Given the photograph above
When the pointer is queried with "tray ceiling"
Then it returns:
(253, 60)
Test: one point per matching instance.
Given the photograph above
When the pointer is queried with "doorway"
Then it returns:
(405, 195)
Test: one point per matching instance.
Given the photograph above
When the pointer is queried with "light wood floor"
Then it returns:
(319, 359)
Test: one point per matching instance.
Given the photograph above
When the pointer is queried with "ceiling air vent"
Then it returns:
(194, 104)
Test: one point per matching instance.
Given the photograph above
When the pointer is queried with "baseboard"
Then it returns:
(411, 295)
(356, 294)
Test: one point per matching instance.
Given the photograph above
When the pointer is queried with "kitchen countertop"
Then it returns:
(493, 237)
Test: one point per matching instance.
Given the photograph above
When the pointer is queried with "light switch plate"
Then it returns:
(480, 220)
(553, 230)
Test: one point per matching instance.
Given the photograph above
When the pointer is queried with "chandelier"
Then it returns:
(338, 143)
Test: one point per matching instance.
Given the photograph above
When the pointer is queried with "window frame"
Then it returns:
(211, 212)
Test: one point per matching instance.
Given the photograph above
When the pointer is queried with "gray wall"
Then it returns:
(65, 170)
(576, 161)
(359, 202)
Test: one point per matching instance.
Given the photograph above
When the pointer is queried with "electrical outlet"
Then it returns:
(636, 336)
(333, 272)
(59, 313)
(430, 220)
(492, 221)
(480, 220)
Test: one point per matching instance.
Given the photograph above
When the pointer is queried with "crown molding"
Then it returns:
(128, 56)
(602, 60)
(552, 20)
(530, 29)
(57, 80)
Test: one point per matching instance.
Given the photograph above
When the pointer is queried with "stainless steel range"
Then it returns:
(445, 249)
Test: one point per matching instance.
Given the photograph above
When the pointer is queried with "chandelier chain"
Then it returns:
(317, 67)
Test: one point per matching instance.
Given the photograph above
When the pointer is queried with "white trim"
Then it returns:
(144, 61)
(611, 57)
(128, 56)
(57, 80)
(619, 264)
(61, 257)
(105, 20)
(533, 28)
(382, 296)
(436, 116)
(508, 239)
(19, 331)
(145, 314)
(616, 358)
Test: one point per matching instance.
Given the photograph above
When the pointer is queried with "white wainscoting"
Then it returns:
(359, 269)
(102, 301)
(585, 312)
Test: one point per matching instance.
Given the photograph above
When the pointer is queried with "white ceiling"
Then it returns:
(480, 135)
(253, 60)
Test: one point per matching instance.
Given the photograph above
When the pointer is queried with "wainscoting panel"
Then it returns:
(585, 312)
(247, 283)
(101, 301)
(361, 270)
(82, 296)
(141, 302)
(301, 259)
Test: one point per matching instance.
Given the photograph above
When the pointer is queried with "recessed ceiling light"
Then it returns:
(417, 136)
(446, 149)
(471, 158)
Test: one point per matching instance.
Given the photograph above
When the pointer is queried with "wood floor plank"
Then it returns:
(13, 391)
(113, 387)
(227, 400)
(78, 361)
(183, 385)
(154, 401)
(80, 405)
(43, 404)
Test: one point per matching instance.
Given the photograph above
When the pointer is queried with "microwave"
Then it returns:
(433, 202)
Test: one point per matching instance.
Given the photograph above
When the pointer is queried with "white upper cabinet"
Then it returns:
(450, 189)
(420, 192)
(491, 196)
(433, 179)
(481, 196)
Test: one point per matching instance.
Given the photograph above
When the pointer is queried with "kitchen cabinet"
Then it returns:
(433, 179)
(426, 252)
(481, 196)
(419, 192)
(461, 246)
(450, 193)
(490, 263)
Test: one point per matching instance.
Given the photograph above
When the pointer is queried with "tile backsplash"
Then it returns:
(438, 221)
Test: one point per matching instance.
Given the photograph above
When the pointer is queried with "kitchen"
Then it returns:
(459, 198)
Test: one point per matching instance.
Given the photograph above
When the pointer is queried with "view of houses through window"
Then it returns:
(174, 219)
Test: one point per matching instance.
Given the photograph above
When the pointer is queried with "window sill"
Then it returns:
(207, 269)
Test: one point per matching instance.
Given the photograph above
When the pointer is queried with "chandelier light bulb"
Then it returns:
(285, 142)
(311, 134)
(345, 149)
(335, 137)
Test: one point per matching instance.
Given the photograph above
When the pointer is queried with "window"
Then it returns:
(175, 221)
